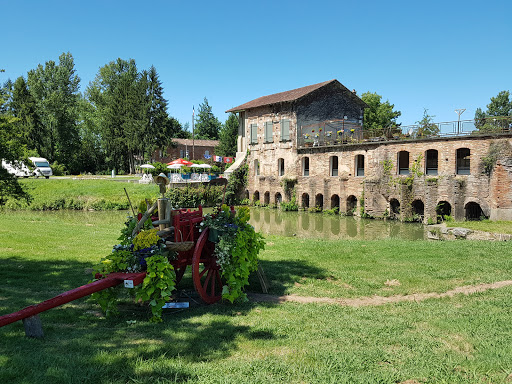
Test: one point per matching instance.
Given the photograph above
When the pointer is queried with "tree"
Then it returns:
(24, 107)
(228, 137)
(426, 126)
(379, 117)
(54, 88)
(207, 125)
(11, 150)
(493, 119)
(118, 95)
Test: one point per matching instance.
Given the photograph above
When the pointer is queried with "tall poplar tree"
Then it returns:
(55, 90)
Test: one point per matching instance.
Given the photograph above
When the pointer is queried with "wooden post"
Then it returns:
(162, 213)
(33, 327)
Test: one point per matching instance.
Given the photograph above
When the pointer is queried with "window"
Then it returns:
(463, 162)
(305, 166)
(403, 163)
(256, 167)
(182, 153)
(254, 133)
(285, 130)
(431, 162)
(268, 132)
(333, 165)
(360, 165)
(280, 166)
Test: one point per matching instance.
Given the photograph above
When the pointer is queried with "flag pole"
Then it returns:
(193, 135)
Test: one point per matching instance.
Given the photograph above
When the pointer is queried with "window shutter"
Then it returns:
(268, 132)
(254, 134)
(285, 130)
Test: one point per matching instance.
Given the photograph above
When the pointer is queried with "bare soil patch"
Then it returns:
(380, 300)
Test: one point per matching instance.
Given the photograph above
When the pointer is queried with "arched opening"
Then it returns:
(394, 207)
(335, 202)
(463, 161)
(443, 210)
(431, 162)
(305, 166)
(305, 200)
(319, 201)
(255, 197)
(474, 211)
(351, 204)
(333, 166)
(360, 165)
(279, 198)
(403, 163)
(266, 198)
(418, 210)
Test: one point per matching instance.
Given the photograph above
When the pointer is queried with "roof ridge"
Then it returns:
(279, 97)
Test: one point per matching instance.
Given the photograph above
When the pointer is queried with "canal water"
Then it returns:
(269, 221)
(318, 225)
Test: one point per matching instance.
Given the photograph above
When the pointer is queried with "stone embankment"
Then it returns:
(441, 232)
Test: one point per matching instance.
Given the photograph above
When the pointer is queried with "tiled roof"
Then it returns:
(292, 95)
(199, 143)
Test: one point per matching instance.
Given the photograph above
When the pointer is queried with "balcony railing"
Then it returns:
(343, 132)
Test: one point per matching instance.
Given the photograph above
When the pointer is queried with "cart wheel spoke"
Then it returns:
(205, 271)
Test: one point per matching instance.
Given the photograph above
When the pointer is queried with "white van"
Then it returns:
(17, 168)
(42, 167)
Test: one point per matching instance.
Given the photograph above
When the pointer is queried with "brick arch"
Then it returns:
(335, 201)
(305, 200)
(319, 201)
(266, 198)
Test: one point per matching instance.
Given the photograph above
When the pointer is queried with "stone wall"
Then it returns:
(417, 194)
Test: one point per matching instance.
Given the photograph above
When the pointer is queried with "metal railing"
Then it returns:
(342, 132)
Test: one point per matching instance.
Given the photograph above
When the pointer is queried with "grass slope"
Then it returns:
(102, 194)
(464, 339)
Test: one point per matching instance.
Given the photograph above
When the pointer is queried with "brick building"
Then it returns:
(311, 139)
(191, 149)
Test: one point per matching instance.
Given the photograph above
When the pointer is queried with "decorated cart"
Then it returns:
(155, 251)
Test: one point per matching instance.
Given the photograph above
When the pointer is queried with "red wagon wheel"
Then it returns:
(205, 271)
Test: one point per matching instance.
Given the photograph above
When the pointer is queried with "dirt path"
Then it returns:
(380, 300)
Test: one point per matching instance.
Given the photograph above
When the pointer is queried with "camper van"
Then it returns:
(17, 168)
(42, 167)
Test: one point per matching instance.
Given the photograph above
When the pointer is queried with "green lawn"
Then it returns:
(97, 194)
(464, 339)
(484, 225)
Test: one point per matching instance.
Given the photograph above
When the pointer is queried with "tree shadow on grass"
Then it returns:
(98, 350)
(26, 282)
(283, 274)
(80, 345)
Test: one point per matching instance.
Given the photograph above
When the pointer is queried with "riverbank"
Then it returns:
(445, 338)
(82, 194)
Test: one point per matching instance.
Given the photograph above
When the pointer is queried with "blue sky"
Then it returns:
(439, 55)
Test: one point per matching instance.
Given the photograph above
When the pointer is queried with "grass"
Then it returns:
(102, 194)
(463, 339)
(484, 225)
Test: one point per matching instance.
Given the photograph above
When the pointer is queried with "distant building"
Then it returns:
(310, 143)
(191, 149)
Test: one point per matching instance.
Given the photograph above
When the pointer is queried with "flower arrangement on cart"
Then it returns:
(222, 249)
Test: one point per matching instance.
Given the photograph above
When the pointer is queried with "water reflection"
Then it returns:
(274, 221)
